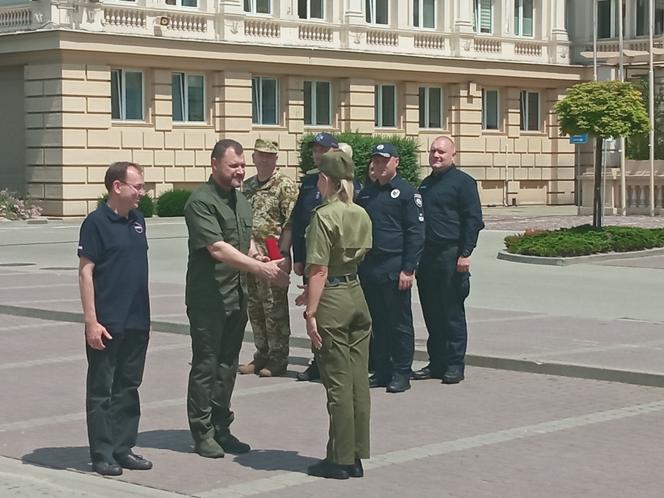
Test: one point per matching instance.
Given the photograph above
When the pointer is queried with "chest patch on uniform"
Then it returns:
(395, 193)
(418, 200)
(138, 227)
(420, 217)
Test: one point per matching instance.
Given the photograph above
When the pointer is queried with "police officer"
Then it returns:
(272, 196)
(454, 219)
(308, 198)
(113, 280)
(221, 252)
(337, 319)
(387, 273)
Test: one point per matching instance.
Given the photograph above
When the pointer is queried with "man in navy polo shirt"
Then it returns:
(113, 281)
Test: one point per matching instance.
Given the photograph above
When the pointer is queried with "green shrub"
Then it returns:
(145, 205)
(172, 203)
(583, 240)
(409, 167)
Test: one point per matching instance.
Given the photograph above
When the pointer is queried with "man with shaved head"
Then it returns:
(453, 214)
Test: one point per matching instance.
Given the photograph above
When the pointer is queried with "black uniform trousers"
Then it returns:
(393, 339)
(216, 340)
(112, 403)
(442, 292)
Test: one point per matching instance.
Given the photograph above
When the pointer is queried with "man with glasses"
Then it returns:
(113, 282)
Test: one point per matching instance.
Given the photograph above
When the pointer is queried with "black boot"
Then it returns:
(310, 374)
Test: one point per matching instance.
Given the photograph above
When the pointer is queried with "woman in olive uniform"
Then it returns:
(337, 318)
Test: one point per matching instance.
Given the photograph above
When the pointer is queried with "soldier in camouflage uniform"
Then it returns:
(272, 196)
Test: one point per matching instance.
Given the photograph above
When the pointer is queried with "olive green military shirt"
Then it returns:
(272, 202)
(214, 215)
(338, 236)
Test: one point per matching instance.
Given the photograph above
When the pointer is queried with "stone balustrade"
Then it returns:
(15, 18)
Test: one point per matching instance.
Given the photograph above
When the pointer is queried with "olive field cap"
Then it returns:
(385, 150)
(336, 164)
(326, 140)
(268, 146)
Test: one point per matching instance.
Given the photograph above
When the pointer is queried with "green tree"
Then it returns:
(603, 109)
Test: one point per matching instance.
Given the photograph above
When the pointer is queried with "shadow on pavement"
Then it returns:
(67, 457)
(173, 439)
(275, 460)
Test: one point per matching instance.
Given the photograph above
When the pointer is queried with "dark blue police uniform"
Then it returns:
(398, 236)
(308, 198)
(453, 212)
(118, 248)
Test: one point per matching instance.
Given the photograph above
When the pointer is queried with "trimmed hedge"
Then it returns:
(409, 167)
(584, 240)
(171, 203)
(145, 205)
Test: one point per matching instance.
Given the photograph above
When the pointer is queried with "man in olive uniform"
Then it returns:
(388, 271)
(272, 196)
(221, 252)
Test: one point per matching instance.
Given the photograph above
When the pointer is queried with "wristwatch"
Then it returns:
(307, 315)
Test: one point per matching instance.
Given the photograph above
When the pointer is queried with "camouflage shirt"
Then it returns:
(272, 203)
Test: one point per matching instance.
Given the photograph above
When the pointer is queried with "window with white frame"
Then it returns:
(431, 107)
(483, 16)
(258, 6)
(377, 11)
(264, 101)
(424, 13)
(385, 106)
(188, 92)
(126, 94)
(606, 19)
(642, 17)
(530, 111)
(311, 9)
(523, 17)
(490, 109)
(317, 103)
(183, 3)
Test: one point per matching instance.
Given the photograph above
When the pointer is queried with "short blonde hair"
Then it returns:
(344, 147)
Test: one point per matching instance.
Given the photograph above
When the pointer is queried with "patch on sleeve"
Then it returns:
(418, 200)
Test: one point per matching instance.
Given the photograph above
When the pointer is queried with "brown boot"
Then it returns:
(251, 368)
(273, 369)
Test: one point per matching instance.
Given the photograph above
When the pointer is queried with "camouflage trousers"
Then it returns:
(268, 313)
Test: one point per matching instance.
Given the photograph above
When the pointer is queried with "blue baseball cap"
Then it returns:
(326, 140)
(385, 150)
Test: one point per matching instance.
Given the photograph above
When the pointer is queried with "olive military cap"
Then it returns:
(269, 146)
(336, 164)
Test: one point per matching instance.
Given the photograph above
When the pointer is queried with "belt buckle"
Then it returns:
(332, 282)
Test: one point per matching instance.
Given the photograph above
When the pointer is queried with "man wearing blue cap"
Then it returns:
(387, 273)
(308, 198)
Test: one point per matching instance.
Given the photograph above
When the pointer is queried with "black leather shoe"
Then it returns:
(327, 469)
(132, 461)
(398, 384)
(425, 373)
(356, 469)
(231, 444)
(453, 375)
(310, 374)
(106, 468)
(377, 381)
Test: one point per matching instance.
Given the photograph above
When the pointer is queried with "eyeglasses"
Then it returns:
(136, 188)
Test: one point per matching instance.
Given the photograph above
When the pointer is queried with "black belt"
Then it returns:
(332, 281)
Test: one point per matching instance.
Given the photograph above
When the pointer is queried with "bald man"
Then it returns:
(453, 215)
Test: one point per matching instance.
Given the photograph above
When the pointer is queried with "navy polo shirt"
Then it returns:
(452, 209)
(118, 247)
(396, 216)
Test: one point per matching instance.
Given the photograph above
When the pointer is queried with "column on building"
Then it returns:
(411, 109)
(556, 15)
(463, 22)
(354, 13)
(289, 139)
(69, 139)
(356, 105)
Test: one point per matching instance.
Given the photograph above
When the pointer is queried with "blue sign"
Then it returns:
(578, 139)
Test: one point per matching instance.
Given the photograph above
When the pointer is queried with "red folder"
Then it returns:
(273, 250)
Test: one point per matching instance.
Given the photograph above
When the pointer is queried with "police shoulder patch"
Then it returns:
(418, 200)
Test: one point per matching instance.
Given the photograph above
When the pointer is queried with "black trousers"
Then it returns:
(393, 343)
(112, 404)
(442, 292)
(216, 340)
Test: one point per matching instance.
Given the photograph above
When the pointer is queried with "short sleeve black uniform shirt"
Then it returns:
(119, 249)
